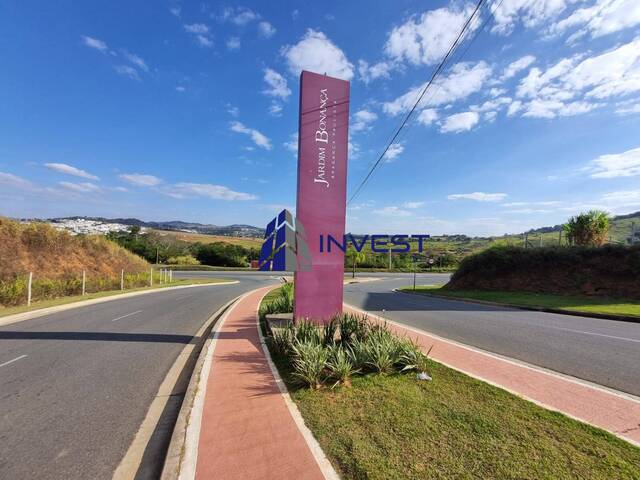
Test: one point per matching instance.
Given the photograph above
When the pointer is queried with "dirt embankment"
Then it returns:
(609, 271)
(53, 254)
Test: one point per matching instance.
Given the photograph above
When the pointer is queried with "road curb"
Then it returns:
(175, 451)
(133, 464)
(316, 450)
(21, 317)
(573, 313)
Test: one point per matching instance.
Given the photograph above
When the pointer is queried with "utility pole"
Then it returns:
(29, 288)
(121, 280)
(157, 254)
(389, 258)
(84, 282)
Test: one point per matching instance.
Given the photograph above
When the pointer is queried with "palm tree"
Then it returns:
(588, 229)
(354, 258)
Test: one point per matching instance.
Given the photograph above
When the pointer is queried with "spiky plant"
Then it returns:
(306, 331)
(309, 363)
(588, 229)
(282, 339)
(329, 333)
(340, 366)
(358, 354)
(411, 357)
(382, 349)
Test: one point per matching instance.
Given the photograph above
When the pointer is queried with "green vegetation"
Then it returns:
(77, 298)
(394, 426)
(605, 306)
(611, 271)
(161, 247)
(589, 229)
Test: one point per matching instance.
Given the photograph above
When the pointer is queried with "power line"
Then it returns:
(424, 91)
(488, 20)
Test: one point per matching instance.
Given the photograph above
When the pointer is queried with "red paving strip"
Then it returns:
(247, 431)
(615, 413)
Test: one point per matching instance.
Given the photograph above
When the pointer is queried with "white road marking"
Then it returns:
(125, 316)
(596, 334)
(14, 360)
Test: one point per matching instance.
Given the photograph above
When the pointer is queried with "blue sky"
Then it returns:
(188, 110)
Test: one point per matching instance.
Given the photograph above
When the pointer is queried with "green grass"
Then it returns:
(4, 311)
(452, 427)
(612, 306)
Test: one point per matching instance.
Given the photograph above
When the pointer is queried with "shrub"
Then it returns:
(309, 362)
(340, 366)
(588, 229)
(183, 260)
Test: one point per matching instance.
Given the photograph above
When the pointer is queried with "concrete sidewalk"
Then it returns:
(615, 412)
(247, 429)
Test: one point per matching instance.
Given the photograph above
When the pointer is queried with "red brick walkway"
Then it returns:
(247, 431)
(616, 413)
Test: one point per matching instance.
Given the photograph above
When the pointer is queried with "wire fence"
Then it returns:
(28, 288)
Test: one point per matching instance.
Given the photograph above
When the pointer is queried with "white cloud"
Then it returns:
(277, 84)
(181, 89)
(628, 110)
(493, 104)
(127, 71)
(353, 150)
(546, 203)
(427, 116)
(412, 205)
(478, 196)
(372, 72)
(175, 11)
(460, 122)
(577, 84)
(496, 92)
(427, 38)
(625, 164)
(70, 170)
(215, 192)
(12, 180)
(316, 53)
(393, 151)
(392, 211)
(95, 43)
(233, 43)
(362, 120)
(84, 187)
(515, 67)
(201, 33)
(602, 18)
(623, 198)
(462, 80)
(136, 60)
(530, 12)
(140, 180)
(233, 110)
(241, 16)
(257, 137)
(292, 144)
(275, 109)
(266, 30)
(514, 108)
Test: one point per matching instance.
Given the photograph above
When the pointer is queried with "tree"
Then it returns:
(588, 229)
(355, 257)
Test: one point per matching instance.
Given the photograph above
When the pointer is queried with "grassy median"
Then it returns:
(4, 311)
(606, 306)
(394, 426)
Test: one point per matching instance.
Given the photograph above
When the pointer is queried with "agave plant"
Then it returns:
(411, 357)
(329, 334)
(382, 349)
(358, 354)
(282, 339)
(340, 366)
(352, 326)
(306, 331)
(310, 361)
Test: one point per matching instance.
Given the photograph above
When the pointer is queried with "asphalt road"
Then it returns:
(76, 385)
(606, 352)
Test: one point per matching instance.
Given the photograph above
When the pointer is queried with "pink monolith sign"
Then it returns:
(322, 189)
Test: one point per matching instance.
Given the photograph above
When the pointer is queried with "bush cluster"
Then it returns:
(348, 345)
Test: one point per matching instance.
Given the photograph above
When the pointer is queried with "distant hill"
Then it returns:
(236, 230)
